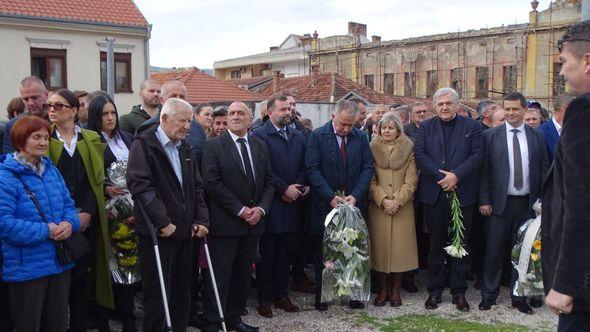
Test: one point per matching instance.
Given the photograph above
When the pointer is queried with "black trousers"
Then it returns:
(501, 231)
(41, 304)
(5, 320)
(176, 257)
(438, 218)
(478, 244)
(272, 272)
(231, 257)
(577, 321)
(317, 246)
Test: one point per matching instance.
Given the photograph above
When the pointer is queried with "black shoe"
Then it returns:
(243, 327)
(244, 313)
(486, 304)
(461, 303)
(536, 301)
(321, 306)
(523, 307)
(432, 302)
(356, 304)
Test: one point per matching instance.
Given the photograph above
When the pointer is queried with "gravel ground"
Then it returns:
(341, 318)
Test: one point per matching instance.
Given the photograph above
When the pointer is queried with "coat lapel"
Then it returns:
(529, 141)
(457, 136)
(332, 142)
(231, 149)
(502, 145)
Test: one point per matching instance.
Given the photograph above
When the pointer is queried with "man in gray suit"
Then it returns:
(514, 167)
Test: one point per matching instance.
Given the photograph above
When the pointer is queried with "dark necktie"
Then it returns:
(246, 160)
(343, 149)
(517, 160)
(283, 133)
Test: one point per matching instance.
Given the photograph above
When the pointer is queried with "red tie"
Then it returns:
(343, 149)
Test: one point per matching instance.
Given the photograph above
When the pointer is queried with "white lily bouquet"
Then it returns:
(346, 256)
(123, 258)
(526, 257)
(457, 248)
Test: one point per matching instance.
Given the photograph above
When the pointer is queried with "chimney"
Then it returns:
(276, 75)
(274, 48)
(375, 39)
(357, 29)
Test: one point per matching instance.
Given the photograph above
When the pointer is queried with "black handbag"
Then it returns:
(68, 250)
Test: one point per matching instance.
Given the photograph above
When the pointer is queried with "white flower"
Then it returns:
(456, 252)
(538, 284)
(350, 234)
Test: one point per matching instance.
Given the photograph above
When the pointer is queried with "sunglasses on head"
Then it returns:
(563, 41)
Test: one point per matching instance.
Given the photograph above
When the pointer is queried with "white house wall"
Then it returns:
(83, 60)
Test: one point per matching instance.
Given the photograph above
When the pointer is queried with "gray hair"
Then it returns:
(563, 99)
(348, 107)
(173, 106)
(391, 118)
(446, 91)
(416, 104)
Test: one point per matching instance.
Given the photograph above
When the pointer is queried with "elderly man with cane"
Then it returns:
(164, 179)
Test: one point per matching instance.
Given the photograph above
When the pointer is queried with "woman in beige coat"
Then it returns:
(391, 210)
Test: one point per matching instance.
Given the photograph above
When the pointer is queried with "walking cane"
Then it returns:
(152, 231)
(212, 275)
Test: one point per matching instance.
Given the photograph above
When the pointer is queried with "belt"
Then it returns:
(518, 197)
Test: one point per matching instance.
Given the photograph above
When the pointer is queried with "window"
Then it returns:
(432, 84)
(369, 81)
(236, 74)
(457, 80)
(122, 72)
(509, 79)
(50, 66)
(558, 80)
(481, 82)
(388, 84)
(410, 84)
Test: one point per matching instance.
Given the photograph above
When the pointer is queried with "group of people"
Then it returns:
(259, 193)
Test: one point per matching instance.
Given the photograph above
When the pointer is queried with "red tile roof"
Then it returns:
(203, 88)
(319, 88)
(118, 12)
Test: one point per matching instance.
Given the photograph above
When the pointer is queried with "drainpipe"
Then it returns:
(111, 67)
(585, 10)
(146, 52)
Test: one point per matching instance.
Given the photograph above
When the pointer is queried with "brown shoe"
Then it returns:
(286, 304)
(264, 310)
(382, 280)
(396, 284)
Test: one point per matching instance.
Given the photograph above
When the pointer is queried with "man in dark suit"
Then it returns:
(418, 113)
(514, 167)
(565, 250)
(240, 183)
(448, 152)
(552, 128)
(287, 155)
(338, 158)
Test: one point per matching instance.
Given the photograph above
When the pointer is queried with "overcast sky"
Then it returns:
(199, 32)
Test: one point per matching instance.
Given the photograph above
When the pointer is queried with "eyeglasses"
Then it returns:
(563, 41)
(58, 107)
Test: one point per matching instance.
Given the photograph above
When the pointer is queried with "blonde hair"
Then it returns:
(391, 118)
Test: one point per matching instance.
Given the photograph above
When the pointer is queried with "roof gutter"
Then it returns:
(65, 21)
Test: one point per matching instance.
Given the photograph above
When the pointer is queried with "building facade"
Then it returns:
(65, 46)
(479, 64)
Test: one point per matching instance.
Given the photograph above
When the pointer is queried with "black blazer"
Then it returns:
(466, 158)
(493, 185)
(565, 227)
(226, 184)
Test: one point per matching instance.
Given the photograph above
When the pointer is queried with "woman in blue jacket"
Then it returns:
(38, 284)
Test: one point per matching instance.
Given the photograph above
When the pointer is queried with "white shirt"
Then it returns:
(70, 148)
(117, 146)
(171, 149)
(524, 153)
(338, 137)
(557, 126)
(234, 138)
